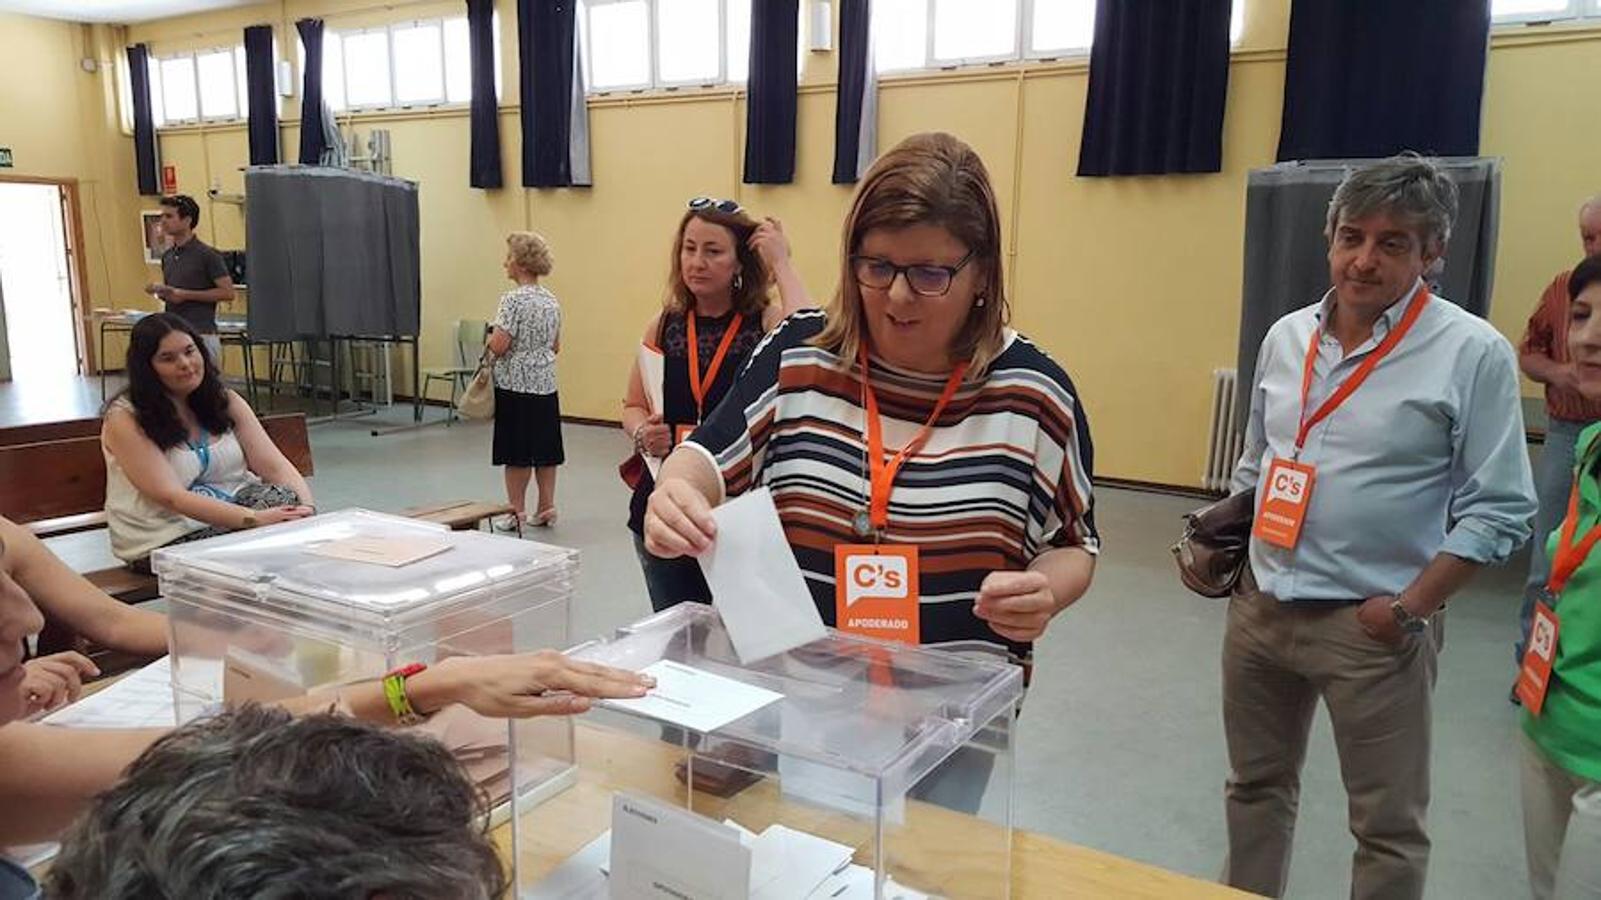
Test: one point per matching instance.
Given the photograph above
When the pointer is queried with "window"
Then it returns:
(406, 64)
(1517, 12)
(204, 85)
(928, 34)
(644, 44)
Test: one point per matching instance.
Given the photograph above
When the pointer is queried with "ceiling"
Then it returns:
(117, 11)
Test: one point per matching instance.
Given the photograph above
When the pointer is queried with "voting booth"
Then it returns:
(348, 596)
(843, 768)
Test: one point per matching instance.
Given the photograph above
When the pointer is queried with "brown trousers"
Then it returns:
(1278, 659)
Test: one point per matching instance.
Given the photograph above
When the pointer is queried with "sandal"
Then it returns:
(544, 518)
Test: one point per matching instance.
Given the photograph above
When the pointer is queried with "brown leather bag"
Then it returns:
(1215, 548)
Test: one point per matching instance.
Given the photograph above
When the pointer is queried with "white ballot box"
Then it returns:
(845, 768)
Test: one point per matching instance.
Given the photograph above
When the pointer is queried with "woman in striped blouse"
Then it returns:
(907, 427)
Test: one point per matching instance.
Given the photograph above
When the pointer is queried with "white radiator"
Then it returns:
(1226, 433)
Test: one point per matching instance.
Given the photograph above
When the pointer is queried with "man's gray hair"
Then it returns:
(1408, 187)
(254, 803)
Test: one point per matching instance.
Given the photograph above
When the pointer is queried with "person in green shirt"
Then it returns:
(1561, 758)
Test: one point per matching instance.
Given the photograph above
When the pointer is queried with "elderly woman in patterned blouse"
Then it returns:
(524, 340)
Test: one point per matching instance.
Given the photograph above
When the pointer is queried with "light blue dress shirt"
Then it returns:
(1427, 456)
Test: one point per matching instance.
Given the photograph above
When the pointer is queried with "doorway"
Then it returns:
(36, 282)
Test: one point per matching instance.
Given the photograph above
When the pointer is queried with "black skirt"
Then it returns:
(527, 429)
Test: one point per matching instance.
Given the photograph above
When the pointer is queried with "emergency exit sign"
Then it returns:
(5, 157)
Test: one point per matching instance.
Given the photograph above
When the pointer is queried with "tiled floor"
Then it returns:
(1121, 744)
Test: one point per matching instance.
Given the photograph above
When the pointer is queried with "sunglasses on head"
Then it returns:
(722, 206)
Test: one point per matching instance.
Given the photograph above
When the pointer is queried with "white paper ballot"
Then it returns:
(696, 698)
(140, 700)
(581, 877)
(755, 582)
(661, 852)
(651, 370)
(787, 864)
(856, 883)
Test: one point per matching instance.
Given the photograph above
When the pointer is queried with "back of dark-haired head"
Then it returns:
(152, 406)
(186, 206)
(255, 803)
(1584, 275)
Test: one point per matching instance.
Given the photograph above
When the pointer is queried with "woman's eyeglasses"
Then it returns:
(924, 280)
(722, 206)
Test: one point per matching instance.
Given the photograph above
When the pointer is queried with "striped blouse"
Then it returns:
(1005, 474)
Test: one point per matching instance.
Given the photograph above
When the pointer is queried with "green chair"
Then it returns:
(471, 335)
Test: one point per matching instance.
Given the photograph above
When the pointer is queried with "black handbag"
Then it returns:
(1215, 548)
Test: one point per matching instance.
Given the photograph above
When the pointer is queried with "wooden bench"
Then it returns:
(461, 515)
(53, 475)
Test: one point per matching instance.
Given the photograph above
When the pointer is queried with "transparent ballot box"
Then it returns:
(307, 606)
(851, 768)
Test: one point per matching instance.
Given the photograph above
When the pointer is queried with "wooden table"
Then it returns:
(935, 850)
(942, 848)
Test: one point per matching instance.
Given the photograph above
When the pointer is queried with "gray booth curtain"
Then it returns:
(1286, 255)
(336, 250)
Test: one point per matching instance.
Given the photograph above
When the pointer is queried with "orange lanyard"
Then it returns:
(881, 471)
(697, 384)
(1414, 309)
(1569, 556)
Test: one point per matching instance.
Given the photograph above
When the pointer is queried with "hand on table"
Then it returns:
(55, 680)
(545, 683)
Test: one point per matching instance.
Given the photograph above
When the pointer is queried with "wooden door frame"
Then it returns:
(77, 280)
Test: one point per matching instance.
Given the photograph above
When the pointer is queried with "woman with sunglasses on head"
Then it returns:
(906, 431)
(716, 311)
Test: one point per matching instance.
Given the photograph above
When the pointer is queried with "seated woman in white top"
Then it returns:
(186, 458)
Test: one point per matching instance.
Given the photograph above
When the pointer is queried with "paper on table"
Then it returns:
(143, 699)
(856, 883)
(659, 851)
(787, 864)
(651, 370)
(581, 877)
(756, 583)
(390, 551)
(696, 698)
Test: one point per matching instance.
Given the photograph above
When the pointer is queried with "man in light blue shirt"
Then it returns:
(1419, 477)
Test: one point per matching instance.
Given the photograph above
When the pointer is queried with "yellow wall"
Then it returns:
(59, 122)
(1131, 283)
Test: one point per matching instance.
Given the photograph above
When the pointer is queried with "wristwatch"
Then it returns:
(1403, 617)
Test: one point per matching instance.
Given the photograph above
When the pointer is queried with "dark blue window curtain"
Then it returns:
(484, 165)
(262, 94)
(1159, 76)
(856, 109)
(313, 141)
(555, 118)
(770, 105)
(147, 163)
(1370, 78)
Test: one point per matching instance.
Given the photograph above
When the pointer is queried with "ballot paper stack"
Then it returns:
(655, 850)
(840, 768)
(348, 596)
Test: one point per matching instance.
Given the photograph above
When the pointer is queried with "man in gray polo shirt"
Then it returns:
(194, 278)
